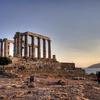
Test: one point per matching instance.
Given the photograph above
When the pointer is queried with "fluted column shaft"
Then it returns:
(15, 46)
(33, 49)
(6, 49)
(49, 49)
(39, 51)
(30, 51)
(26, 46)
(44, 48)
(21, 44)
(2, 48)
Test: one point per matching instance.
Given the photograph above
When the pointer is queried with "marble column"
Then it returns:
(15, 46)
(26, 46)
(19, 44)
(2, 48)
(44, 48)
(49, 49)
(5, 48)
(33, 48)
(39, 51)
(30, 51)
(8, 49)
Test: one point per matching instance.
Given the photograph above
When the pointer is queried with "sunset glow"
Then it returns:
(72, 25)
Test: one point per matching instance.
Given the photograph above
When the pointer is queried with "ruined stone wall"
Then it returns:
(68, 66)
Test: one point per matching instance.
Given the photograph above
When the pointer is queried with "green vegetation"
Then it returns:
(5, 61)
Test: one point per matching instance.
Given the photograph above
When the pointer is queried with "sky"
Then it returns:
(72, 25)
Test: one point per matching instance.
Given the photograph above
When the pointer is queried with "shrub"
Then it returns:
(5, 61)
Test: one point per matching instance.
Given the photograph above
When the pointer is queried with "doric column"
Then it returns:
(26, 46)
(44, 48)
(30, 51)
(14, 48)
(33, 49)
(17, 44)
(2, 48)
(21, 44)
(49, 49)
(39, 51)
(6, 48)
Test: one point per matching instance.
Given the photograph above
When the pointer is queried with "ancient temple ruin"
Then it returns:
(22, 47)
(4, 47)
(34, 46)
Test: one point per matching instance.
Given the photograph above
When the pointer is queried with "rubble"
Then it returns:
(61, 82)
(45, 83)
(73, 90)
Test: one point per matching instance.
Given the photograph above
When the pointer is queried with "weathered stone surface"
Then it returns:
(22, 47)
(38, 88)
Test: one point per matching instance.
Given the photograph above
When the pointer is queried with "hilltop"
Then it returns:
(95, 66)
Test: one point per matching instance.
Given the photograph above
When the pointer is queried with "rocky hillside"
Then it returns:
(95, 66)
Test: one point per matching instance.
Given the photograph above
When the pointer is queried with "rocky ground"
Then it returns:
(48, 88)
(49, 83)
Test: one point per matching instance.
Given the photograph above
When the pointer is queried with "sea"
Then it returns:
(92, 70)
